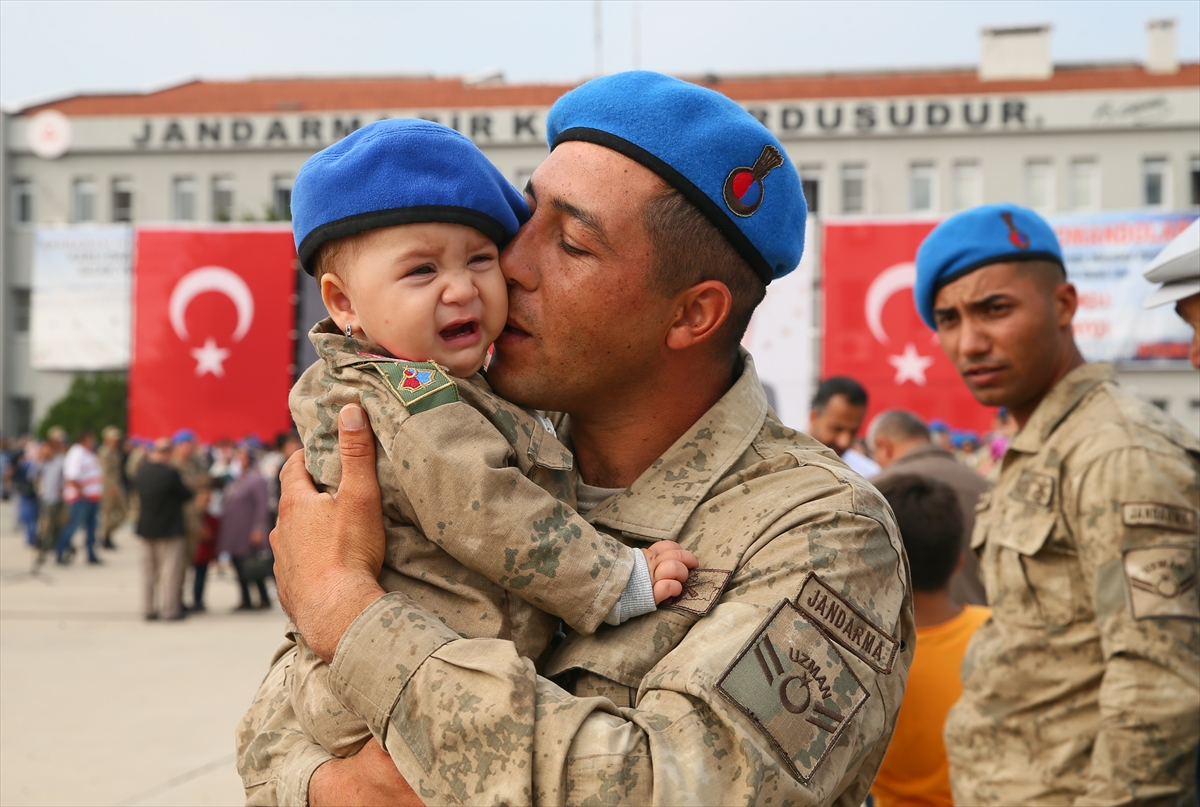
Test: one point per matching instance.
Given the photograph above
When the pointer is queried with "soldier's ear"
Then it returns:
(337, 300)
(698, 313)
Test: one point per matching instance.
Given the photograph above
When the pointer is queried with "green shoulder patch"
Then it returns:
(420, 386)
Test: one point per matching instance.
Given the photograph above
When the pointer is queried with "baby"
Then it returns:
(402, 223)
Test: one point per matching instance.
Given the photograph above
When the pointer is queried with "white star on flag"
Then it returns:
(910, 365)
(210, 357)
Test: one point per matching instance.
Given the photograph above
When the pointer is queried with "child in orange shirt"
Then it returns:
(915, 770)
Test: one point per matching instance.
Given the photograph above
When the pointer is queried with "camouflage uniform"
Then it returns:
(477, 498)
(775, 678)
(1084, 686)
(112, 506)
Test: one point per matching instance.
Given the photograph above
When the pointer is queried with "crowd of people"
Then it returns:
(190, 507)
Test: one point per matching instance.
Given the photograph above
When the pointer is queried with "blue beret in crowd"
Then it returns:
(707, 147)
(400, 172)
(976, 238)
(183, 436)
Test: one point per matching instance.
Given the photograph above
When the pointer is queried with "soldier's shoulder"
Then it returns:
(1113, 419)
(419, 386)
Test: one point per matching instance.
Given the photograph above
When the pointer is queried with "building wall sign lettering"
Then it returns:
(788, 119)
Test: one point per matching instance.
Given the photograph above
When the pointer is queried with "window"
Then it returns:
(20, 415)
(20, 310)
(922, 178)
(183, 199)
(1195, 182)
(83, 201)
(810, 181)
(281, 198)
(122, 199)
(1039, 185)
(1155, 182)
(1084, 188)
(222, 198)
(854, 190)
(968, 185)
(22, 201)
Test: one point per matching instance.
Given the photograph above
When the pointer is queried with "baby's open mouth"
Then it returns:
(460, 330)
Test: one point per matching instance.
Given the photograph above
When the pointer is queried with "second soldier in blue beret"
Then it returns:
(402, 223)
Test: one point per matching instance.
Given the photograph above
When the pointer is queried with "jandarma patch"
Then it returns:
(795, 686)
(1152, 514)
(744, 189)
(1034, 488)
(700, 592)
(1162, 582)
(846, 625)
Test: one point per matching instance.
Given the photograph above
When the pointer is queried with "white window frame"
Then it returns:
(1040, 170)
(854, 172)
(121, 185)
(223, 186)
(183, 198)
(1160, 166)
(967, 173)
(280, 184)
(922, 173)
(84, 201)
(1083, 171)
(23, 202)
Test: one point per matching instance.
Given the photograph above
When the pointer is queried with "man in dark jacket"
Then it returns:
(902, 444)
(160, 525)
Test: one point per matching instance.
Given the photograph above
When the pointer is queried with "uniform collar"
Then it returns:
(662, 499)
(1055, 407)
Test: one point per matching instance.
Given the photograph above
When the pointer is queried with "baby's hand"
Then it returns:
(669, 564)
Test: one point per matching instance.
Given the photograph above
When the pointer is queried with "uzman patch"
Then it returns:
(796, 687)
(700, 592)
(420, 386)
(1162, 582)
(846, 625)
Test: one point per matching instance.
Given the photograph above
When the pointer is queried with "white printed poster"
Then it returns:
(780, 337)
(80, 304)
(1106, 254)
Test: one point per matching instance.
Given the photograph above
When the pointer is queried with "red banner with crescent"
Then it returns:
(873, 332)
(213, 322)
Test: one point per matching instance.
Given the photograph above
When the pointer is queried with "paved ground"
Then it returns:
(97, 706)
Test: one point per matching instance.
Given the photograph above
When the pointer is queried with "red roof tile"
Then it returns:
(327, 94)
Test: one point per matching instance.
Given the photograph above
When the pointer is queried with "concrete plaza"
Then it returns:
(98, 706)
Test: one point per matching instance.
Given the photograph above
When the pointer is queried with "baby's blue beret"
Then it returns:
(976, 238)
(400, 172)
(711, 150)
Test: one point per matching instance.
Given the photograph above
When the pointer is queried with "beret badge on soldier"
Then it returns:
(1018, 237)
(744, 189)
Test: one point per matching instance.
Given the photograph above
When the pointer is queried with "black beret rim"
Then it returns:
(1009, 257)
(377, 219)
(693, 194)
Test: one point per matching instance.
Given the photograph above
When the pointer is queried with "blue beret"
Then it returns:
(400, 172)
(184, 436)
(976, 238)
(707, 147)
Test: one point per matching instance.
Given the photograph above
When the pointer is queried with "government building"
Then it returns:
(872, 145)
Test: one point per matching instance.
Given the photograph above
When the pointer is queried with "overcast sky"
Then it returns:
(52, 49)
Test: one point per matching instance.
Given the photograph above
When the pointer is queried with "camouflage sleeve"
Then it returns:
(755, 703)
(274, 757)
(469, 498)
(1135, 522)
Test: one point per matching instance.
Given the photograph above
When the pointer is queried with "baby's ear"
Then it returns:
(337, 300)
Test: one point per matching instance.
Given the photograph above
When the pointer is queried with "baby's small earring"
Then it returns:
(349, 331)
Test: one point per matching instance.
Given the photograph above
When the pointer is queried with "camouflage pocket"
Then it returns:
(1030, 578)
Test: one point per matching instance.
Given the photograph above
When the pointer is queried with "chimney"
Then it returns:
(1015, 53)
(1160, 47)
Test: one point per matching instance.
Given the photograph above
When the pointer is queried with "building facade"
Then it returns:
(916, 143)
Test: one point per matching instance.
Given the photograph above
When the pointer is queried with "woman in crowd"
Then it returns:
(244, 526)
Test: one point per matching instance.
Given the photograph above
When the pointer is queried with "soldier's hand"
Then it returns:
(329, 549)
(368, 778)
(669, 564)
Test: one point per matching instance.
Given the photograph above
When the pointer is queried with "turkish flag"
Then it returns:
(213, 332)
(873, 332)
